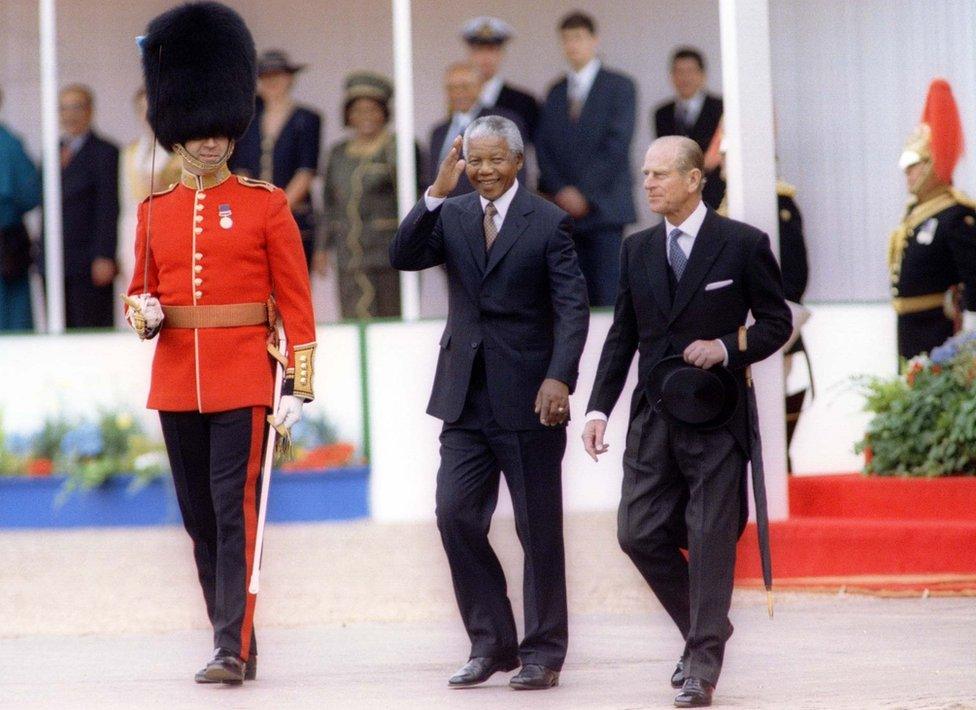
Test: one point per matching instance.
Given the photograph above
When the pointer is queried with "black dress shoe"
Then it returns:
(678, 677)
(535, 677)
(250, 671)
(478, 670)
(224, 667)
(695, 693)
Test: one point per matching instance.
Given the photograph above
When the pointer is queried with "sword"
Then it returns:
(280, 362)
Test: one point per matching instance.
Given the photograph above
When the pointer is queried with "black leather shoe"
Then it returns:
(478, 670)
(250, 671)
(224, 667)
(535, 677)
(695, 693)
(678, 677)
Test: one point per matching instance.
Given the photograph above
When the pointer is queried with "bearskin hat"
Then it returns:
(200, 71)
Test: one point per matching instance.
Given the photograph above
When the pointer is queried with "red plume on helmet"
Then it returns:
(941, 115)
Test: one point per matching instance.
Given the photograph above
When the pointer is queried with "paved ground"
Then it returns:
(361, 616)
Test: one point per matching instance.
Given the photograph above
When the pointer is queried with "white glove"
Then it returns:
(969, 320)
(289, 411)
(151, 311)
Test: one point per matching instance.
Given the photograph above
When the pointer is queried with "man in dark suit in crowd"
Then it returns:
(509, 357)
(694, 113)
(686, 287)
(90, 213)
(486, 38)
(462, 84)
(583, 149)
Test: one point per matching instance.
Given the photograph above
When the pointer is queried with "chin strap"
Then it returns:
(198, 164)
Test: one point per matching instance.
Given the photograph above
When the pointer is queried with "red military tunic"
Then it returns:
(223, 239)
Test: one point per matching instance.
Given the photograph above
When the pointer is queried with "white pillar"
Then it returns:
(748, 97)
(406, 157)
(51, 161)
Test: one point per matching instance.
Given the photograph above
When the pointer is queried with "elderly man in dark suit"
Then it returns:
(583, 148)
(462, 84)
(509, 357)
(686, 287)
(90, 213)
(694, 113)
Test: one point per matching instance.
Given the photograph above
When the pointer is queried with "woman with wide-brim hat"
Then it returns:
(281, 146)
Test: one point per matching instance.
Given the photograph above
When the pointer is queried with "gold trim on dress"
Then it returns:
(304, 370)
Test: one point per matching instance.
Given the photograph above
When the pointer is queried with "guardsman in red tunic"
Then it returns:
(218, 259)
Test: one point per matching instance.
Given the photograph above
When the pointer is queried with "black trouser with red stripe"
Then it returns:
(216, 460)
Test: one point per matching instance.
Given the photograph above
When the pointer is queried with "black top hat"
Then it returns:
(198, 62)
(691, 396)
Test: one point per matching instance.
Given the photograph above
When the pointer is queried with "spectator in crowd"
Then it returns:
(694, 113)
(583, 149)
(486, 38)
(134, 187)
(361, 201)
(20, 192)
(281, 146)
(462, 84)
(90, 213)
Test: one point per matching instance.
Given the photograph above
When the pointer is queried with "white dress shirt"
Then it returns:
(686, 242)
(490, 91)
(501, 204)
(690, 109)
(580, 82)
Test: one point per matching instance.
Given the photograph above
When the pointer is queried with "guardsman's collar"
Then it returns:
(205, 182)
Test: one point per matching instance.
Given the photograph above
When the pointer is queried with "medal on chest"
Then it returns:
(226, 222)
(926, 232)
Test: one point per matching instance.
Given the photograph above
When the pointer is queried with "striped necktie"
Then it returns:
(676, 254)
(491, 231)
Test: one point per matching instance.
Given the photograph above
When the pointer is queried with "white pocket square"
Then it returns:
(718, 284)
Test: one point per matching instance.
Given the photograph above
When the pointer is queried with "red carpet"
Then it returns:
(871, 535)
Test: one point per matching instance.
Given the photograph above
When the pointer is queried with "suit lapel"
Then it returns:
(516, 221)
(589, 111)
(474, 231)
(708, 245)
(655, 259)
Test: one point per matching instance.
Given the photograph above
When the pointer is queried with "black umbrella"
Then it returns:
(759, 492)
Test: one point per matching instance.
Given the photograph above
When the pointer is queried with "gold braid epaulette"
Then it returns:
(784, 189)
(916, 215)
(252, 182)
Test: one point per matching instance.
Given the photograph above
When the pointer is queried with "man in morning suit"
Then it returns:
(462, 84)
(583, 149)
(90, 213)
(686, 287)
(509, 356)
(486, 38)
(694, 113)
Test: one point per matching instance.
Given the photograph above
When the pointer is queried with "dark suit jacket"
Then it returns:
(439, 135)
(593, 153)
(90, 205)
(647, 321)
(524, 305)
(521, 104)
(665, 124)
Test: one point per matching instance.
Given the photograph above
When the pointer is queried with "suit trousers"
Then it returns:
(599, 259)
(216, 460)
(474, 451)
(683, 488)
(87, 305)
